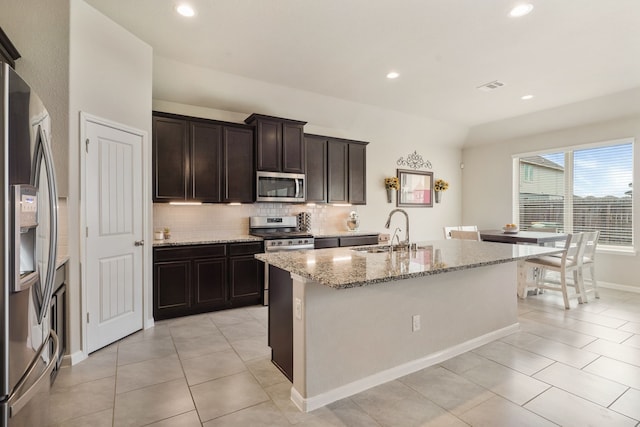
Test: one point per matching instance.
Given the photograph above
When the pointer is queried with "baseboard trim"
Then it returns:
(618, 287)
(310, 403)
(74, 358)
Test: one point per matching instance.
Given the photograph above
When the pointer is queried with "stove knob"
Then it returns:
(300, 242)
(279, 242)
(290, 242)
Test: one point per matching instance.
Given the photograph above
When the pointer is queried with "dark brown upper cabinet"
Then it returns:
(336, 170)
(201, 160)
(316, 168)
(279, 142)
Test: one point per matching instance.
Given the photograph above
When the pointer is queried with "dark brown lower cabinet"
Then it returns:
(334, 242)
(281, 320)
(194, 279)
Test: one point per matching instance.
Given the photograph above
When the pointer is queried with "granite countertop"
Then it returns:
(199, 238)
(344, 233)
(347, 267)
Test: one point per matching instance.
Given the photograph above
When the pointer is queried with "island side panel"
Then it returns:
(281, 320)
(352, 339)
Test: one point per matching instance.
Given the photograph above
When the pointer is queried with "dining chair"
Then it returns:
(589, 262)
(465, 235)
(569, 263)
(448, 230)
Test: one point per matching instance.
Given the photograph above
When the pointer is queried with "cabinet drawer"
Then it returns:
(245, 248)
(359, 240)
(189, 252)
(326, 242)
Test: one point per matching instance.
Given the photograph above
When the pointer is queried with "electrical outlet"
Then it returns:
(416, 322)
(298, 309)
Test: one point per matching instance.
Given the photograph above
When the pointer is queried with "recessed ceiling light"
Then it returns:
(185, 10)
(393, 75)
(526, 97)
(521, 10)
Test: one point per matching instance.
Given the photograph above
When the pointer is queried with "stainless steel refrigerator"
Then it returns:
(28, 235)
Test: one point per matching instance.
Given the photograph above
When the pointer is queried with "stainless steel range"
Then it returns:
(280, 233)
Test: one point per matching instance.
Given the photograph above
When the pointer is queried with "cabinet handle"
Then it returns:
(139, 243)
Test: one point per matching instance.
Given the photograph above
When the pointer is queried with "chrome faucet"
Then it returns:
(406, 216)
(395, 235)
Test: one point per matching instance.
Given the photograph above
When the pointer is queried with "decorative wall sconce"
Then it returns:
(414, 161)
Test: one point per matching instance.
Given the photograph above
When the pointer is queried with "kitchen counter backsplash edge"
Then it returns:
(179, 240)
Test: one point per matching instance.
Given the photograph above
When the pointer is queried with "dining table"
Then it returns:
(527, 237)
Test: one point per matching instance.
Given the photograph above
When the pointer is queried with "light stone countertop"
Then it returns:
(347, 268)
(193, 238)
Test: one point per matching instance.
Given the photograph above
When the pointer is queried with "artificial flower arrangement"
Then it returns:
(441, 185)
(392, 183)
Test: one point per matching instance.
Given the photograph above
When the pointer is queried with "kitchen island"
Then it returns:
(361, 317)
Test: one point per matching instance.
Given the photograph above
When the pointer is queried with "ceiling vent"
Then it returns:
(488, 87)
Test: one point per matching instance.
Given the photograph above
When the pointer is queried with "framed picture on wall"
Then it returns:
(416, 189)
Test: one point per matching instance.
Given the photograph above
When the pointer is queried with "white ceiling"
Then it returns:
(565, 51)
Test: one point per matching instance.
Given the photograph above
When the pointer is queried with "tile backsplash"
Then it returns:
(227, 219)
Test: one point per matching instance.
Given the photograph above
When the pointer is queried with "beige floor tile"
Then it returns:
(629, 404)
(263, 415)
(615, 351)
(252, 348)
(280, 394)
(560, 352)
(447, 389)
(212, 366)
(579, 326)
(583, 384)
(395, 404)
(155, 332)
(260, 313)
(203, 326)
(615, 370)
(554, 333)
(98, 365)
(201, 346)
(506, 382)
(633, 327)
(521, 360)
(634, 341)
(240, 331)
(520, 339)
(81, 399)
(345, 412)
(145, 350)
(598, 319)
(97, 419)
(265, 372)
(154, 403)
(464, 362)
(188, 419)
(231, 317)
(565, 409)
(498, 411)
(142, 374)
(223, 396)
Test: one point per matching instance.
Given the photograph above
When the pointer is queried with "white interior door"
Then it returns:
(114, 220)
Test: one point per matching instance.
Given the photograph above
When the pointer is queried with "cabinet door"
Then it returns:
(171, 289)
(206, 162)
(292, 148)
(210, 283)
(316, 169)
(170, 159)
(246, 280)
(238, 167)
(269, 137)
(338, 189)
(357, 174)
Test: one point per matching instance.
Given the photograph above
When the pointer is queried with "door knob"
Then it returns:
(139, 243)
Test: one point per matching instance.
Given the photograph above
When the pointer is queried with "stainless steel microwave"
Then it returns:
(280, 187)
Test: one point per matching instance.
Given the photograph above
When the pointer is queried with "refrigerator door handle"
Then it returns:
(18, 400)
(43, 151)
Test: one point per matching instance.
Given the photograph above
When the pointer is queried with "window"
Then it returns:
(578, 189)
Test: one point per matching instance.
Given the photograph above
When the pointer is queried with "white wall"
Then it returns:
(110, 77)
(40, 31)
(487, 176)
(391, 135)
